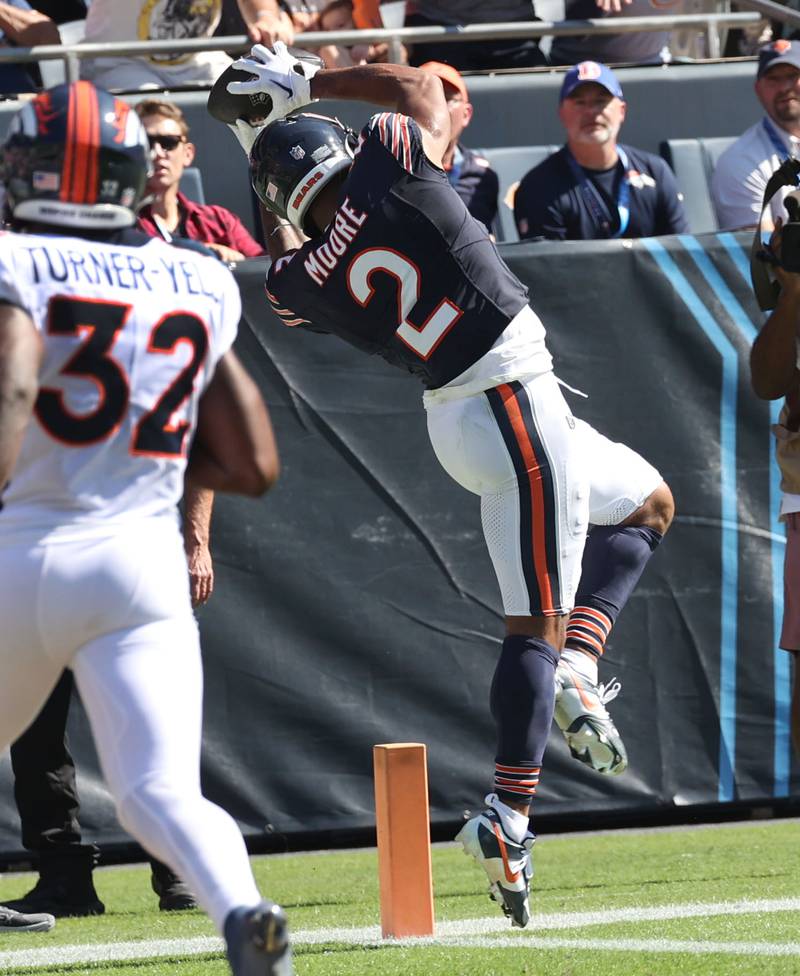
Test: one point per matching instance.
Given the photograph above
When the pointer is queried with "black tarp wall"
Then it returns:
(356, 604)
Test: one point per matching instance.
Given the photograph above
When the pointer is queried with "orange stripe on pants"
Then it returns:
(533, 468)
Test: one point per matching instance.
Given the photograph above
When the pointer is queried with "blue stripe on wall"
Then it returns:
(782, 672)
(728, 515)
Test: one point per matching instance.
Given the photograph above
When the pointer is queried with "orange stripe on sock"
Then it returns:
(577, 635)
(533, 469)
(575, 623)
(605, 620)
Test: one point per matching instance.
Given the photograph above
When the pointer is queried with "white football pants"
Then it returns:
(543, 476)
(117, 611)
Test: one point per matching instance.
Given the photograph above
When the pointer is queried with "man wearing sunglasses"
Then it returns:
(170, 213)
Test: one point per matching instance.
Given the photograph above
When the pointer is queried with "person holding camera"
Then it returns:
(743, 170)
(774, 374)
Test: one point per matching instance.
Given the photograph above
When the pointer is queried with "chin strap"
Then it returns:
(761, 257)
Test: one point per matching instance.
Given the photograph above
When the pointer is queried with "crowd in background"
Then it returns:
(26, 23)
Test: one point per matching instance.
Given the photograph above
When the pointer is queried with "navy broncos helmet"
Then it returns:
(294, 158)
(75, 156)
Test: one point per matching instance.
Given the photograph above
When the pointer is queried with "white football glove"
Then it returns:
(245, 133)
(285, 78)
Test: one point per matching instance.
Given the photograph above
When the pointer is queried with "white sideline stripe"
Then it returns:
(635, 945)
(464, 933)
(653, 913)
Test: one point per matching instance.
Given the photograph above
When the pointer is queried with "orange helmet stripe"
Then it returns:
(81, 161)
(69, 149)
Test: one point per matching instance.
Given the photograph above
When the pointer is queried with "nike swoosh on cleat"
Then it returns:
(511, 876)
(588, 704)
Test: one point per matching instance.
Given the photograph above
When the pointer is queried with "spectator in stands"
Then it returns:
(774, 374)
(143, 20)
(594, 187)
(470, 174)
(743, 170)
(61, 11)
(338, 15)
(475, 55)
(169, 213)
(637, 47)
(22, 26)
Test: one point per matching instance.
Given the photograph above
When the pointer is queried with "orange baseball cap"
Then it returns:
(447, 73)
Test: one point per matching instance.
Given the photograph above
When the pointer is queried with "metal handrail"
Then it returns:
(711, 23)
(235, 44)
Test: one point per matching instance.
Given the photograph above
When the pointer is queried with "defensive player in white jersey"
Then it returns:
(114, 348)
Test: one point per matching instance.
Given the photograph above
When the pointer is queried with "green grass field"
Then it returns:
(708, 901)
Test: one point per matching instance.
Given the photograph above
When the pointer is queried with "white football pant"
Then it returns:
(116, 609)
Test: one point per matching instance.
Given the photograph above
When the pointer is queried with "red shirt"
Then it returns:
(208, 224)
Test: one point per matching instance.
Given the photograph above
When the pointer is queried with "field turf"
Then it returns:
(705, 901)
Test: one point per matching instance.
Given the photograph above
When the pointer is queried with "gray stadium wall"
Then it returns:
(356, 603)
(511, 108)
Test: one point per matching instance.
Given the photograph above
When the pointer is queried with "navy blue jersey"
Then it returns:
(551, 202)
(403, 270)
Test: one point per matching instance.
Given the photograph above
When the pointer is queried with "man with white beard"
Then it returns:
(595, 187)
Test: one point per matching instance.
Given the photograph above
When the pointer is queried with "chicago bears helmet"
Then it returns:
(292, 159)
(75, 156)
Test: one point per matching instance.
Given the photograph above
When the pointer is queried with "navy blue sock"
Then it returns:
(522, 701)
(613, 560)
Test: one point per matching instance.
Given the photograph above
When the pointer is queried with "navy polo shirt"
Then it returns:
(476, 183)
(551, 203)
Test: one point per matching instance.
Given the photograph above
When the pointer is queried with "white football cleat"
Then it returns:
(507, 863)
(581, 715)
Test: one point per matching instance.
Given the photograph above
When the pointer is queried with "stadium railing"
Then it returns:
(72, 54)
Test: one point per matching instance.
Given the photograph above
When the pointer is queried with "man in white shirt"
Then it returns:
(743, 170)
(151, 20)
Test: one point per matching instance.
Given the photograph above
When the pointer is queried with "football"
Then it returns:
(254, 108)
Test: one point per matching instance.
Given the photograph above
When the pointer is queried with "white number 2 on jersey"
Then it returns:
(421, 339)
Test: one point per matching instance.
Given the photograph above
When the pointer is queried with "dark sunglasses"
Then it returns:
(167, 143)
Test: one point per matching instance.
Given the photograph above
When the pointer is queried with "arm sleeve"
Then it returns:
(399, 134)
(278, 284)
